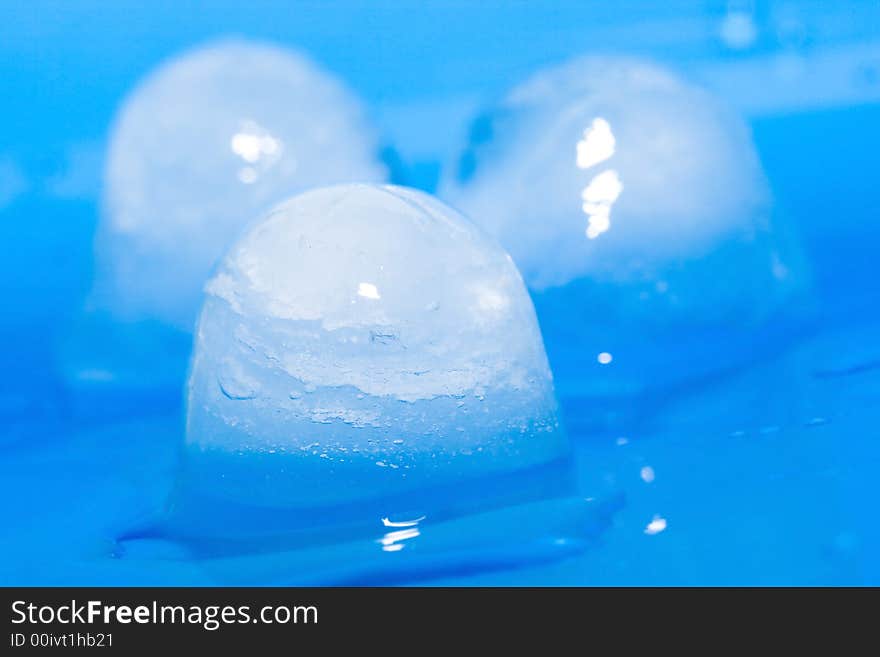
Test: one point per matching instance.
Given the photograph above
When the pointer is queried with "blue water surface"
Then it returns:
(766, 474)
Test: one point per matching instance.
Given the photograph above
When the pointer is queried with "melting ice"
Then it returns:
(369, 400)
(208, 141)
(635, 206)
(367, 348)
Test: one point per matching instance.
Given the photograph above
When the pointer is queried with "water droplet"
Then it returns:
(657, 525)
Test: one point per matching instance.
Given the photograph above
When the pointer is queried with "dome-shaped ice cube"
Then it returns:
(366, 343)
(211, 139)
(636, 208)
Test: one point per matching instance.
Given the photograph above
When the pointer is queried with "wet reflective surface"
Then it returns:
(762, 470)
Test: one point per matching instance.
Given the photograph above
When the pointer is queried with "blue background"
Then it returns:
(769, 476)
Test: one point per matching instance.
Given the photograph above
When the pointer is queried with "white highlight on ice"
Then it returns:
(597, 145)
(402, 523)
(368, 291)
(252, 143)
(598, 198)
(394, 541)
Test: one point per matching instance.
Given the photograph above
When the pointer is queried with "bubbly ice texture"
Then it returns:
(211, 139)
(363, 342)
(635, 205)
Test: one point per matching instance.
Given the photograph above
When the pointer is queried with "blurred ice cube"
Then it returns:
(635, 206)
(207, 142)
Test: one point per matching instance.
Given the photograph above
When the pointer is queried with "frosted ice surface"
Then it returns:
(630, 200)
(362, 341)
(206, 143)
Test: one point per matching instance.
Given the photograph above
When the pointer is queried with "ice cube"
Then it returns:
(211, 139)
(636, 207)
(364, 343)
